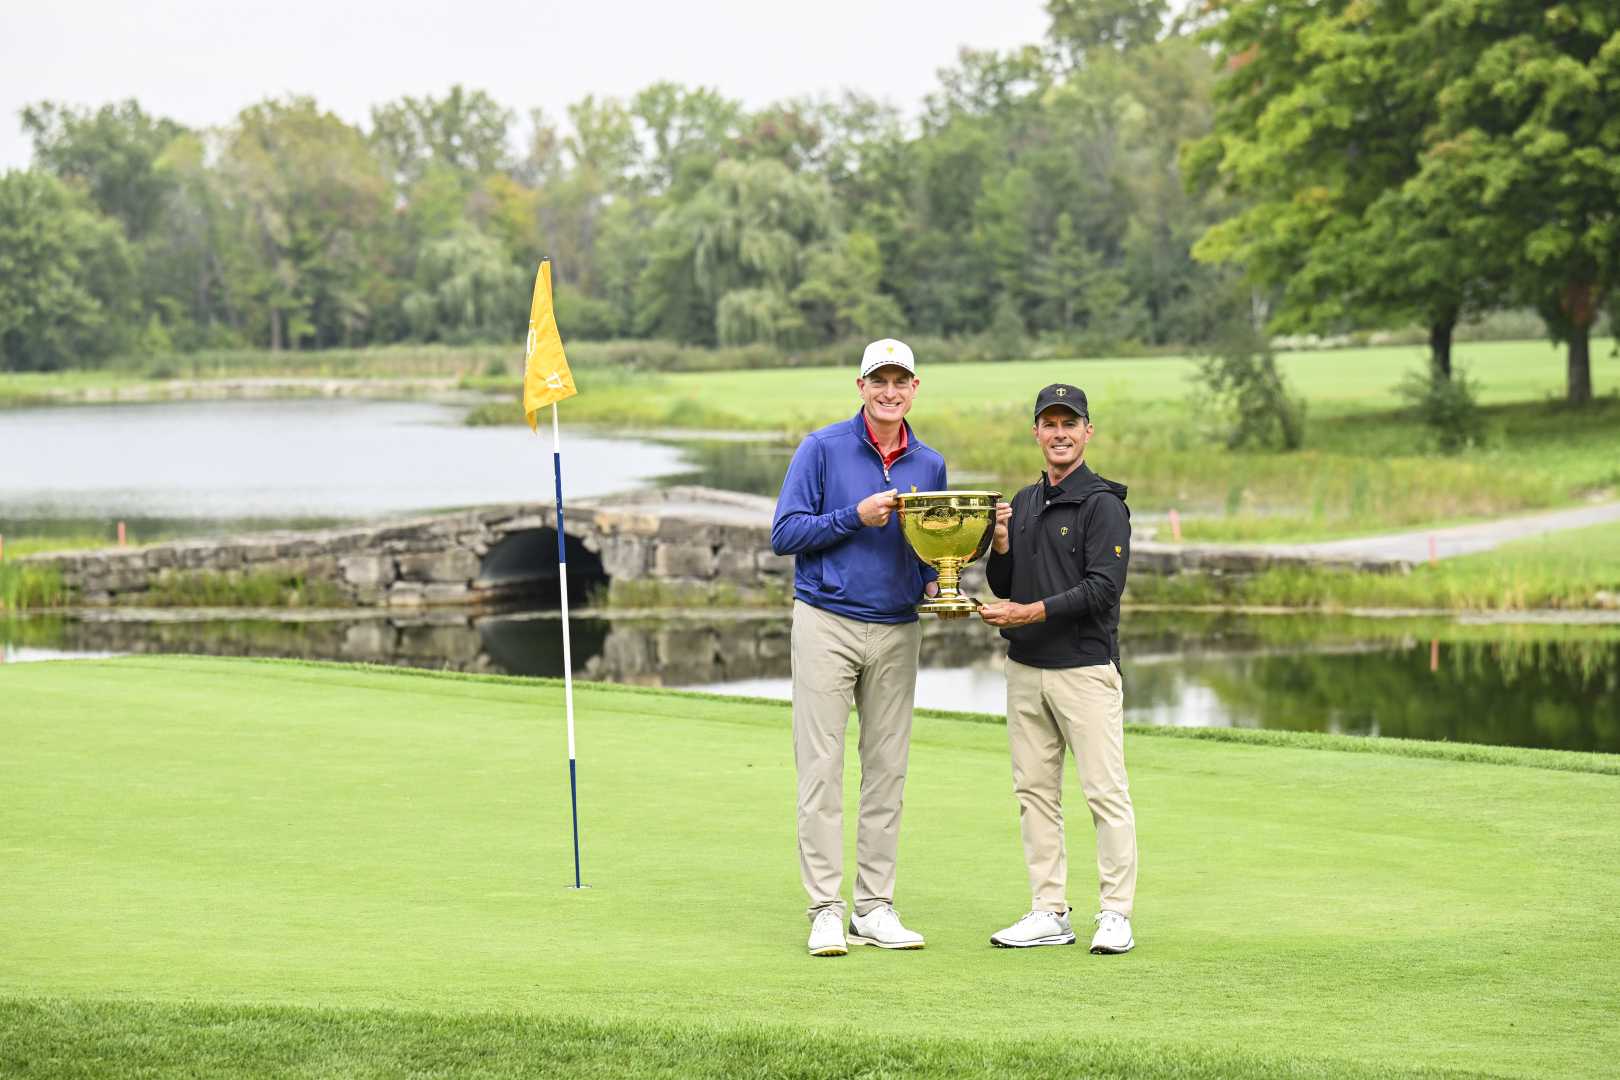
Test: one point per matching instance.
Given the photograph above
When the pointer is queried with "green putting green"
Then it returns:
(311, 856)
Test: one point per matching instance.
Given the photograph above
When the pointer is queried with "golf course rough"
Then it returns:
(238, 867)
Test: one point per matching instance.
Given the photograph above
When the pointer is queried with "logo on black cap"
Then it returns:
(1070, 397)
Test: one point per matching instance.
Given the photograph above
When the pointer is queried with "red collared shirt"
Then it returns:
(871, 437)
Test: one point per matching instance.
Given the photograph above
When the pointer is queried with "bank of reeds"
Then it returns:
(29, 586)
(238, 589)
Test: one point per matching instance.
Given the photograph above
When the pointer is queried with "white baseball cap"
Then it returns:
(885, 352)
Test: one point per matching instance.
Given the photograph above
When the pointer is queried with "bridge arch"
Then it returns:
(524, 563)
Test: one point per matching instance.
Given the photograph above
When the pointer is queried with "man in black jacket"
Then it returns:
(1060, 553)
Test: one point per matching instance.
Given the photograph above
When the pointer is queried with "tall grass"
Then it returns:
(239, 589)
(25, 586)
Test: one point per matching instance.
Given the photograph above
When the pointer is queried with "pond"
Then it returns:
(195, 468)
(1554, 687)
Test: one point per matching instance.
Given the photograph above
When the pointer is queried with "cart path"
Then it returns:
(1452, 541)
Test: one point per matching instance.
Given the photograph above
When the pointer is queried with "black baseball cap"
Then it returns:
(1070, 397)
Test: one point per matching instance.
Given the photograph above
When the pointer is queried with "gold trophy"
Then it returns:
(948, 530)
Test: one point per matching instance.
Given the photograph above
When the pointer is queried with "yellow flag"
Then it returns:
(546, 377)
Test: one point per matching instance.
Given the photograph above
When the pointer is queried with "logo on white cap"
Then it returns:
(885, 353)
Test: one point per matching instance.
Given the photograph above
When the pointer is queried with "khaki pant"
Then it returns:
(1082, 709)
(838, 662)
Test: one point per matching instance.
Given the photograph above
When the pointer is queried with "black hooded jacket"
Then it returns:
(1069, 546)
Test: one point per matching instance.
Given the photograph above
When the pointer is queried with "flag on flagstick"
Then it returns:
(546, 381)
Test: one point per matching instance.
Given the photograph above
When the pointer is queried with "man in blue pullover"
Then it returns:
(856, 585)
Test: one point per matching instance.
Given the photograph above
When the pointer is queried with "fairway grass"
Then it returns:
(228, 867)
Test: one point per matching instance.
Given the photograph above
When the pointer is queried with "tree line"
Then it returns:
(1142, 175)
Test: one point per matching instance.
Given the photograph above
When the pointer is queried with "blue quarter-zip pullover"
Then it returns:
(840, 565)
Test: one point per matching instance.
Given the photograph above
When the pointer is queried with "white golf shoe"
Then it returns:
(1113, 934)
(827, 934)
(1036, 928)
(881, 927)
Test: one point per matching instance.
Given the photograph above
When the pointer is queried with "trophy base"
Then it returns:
(949, 607)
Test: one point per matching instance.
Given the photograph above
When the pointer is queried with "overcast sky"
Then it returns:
(200, 61)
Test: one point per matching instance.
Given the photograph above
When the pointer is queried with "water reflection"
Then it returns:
(1546, 687)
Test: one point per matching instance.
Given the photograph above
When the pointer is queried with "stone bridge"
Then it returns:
(499, 554)
(488, 555)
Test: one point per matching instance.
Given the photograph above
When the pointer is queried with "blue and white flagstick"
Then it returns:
(568, 657)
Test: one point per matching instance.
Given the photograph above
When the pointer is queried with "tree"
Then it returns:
(112, 153)
(66, 278)
(467, 290)
(307, 200)
(840, 295)
(748, 230)
(1323, 118)
(1526, 153)
(1082, 28)
(464, 130)
(685, 132)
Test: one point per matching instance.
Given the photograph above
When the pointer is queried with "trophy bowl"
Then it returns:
(948, 530)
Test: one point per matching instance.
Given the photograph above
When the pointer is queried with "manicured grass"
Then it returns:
(1574, 569)
(187, 840)
(30, 544)
(1335, 382)
(59, 1039)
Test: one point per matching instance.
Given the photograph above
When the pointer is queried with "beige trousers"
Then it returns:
(838, 662)
(1082, 709)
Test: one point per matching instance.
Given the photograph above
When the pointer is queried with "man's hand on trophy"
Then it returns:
(931, 588)
(1007, 613)
(875, 509)
(1002, 542)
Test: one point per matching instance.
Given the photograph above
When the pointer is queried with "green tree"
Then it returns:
(685, 134)
(748, 231)
(183, 262)
(1323, 119)
(66, 277)
(467, 290)
(1526, 153)
(307, 200)
(112, 152)
(464, 130)
(840, 294)
(1082, 28)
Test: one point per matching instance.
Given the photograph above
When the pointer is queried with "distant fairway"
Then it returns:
(241, 867)
(1335, 382)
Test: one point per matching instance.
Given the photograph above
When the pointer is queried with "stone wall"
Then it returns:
(682, 535)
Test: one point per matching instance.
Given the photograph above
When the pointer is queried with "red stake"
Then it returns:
(1434, 551)
(121, 538)
(1175, 525)
(1434, 654)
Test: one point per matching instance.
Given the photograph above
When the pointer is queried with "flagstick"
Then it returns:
(568, 658)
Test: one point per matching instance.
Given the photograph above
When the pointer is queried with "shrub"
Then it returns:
(1248, 389)
(1449, 407)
